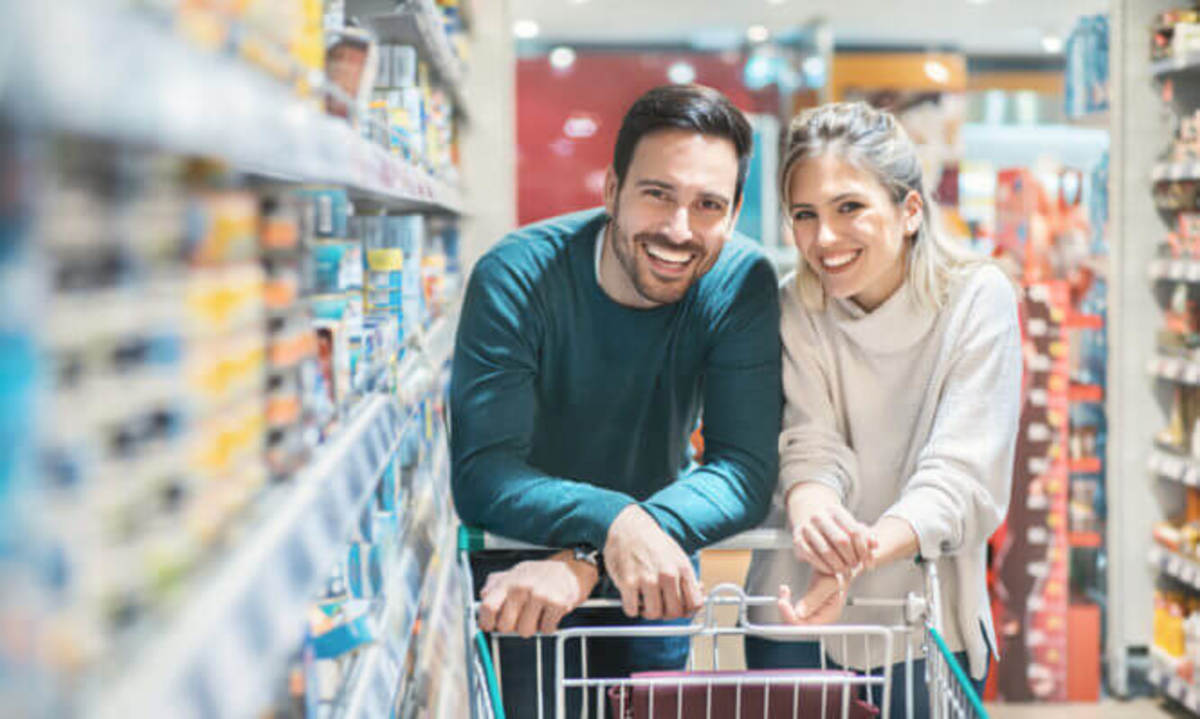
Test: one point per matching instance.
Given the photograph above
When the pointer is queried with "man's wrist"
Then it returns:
(579, 564)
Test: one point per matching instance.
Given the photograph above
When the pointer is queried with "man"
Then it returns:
(587, 347)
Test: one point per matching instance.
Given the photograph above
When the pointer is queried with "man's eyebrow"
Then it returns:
(655, 183)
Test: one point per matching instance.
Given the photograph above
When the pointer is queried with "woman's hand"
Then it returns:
(825, 534)
(821, 604)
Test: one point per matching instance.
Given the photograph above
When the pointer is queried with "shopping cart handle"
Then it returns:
(473, 539)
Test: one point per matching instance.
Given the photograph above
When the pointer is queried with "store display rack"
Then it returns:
(1175, 467)
(1175, 65)
(128, 80)
(1175, 171)
(1164, 674)
(1175, 270)
(1176, 566)
(414, 22)
(250, 614)
(373, 690)
(1174, 369)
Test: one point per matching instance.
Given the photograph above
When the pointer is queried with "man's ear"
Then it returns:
(737, 210)
(611, 188)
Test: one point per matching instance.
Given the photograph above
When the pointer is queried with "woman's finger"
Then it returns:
(859, 533)
(786, 612)
(832, 562)
(841, 542)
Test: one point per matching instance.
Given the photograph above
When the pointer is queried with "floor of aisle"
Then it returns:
(717, 567)
(1107, 709)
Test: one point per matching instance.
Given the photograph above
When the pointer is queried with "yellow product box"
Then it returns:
(385, 260)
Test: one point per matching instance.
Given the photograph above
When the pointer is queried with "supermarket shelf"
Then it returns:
(221, 655)
(189, 102)
(1174, 369)
(1175, 171)
(1176, 65)
(1084, 322)
(1174, 466)
(1086, 393)
(1175, 270)
(1176, 565)
(1164, 674)
(1100, 120)
(415, 22)
(1085, 540)
(372, 689)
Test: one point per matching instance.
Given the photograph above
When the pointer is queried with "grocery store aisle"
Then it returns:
(1107, 709)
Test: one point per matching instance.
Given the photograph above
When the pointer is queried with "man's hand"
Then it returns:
(821, 604)
(534, 596)
(649, 568)
(825, 534)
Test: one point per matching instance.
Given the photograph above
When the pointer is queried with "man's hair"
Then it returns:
(684, 107)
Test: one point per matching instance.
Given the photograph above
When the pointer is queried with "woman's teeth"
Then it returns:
(666, 255)
(839, 260)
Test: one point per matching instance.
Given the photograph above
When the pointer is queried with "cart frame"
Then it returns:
(951, 693)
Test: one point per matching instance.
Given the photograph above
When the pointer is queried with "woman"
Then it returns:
(902, 373)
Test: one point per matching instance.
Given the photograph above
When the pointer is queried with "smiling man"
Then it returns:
(588, 347)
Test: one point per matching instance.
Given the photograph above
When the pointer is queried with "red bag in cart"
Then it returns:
(786, 699)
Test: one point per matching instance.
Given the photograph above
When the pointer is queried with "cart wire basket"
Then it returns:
(827, 692)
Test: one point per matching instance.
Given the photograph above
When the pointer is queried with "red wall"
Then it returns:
(557, 173)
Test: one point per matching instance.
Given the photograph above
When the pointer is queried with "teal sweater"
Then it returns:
(567, 407)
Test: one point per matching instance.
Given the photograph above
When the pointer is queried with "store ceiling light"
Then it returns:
(681, 73)
(978, 2)
(562, 58)
(580, 126)
(1052, 44)
(936, 71)
(757, 33)
(776, 2)
(526, 29)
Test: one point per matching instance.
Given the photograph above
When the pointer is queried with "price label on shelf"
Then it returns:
(1190, 476)
(1191, 373)
(1175, 270)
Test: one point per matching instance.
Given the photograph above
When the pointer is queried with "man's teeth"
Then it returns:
(666, 255)
(835, 261)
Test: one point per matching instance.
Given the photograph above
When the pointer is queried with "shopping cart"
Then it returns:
(823, 693)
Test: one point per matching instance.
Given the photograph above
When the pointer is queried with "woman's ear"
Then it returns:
(913, 213)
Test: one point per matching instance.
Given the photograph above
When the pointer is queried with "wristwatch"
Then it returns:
(589, 554)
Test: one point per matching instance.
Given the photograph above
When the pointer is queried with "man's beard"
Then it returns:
(637, 268)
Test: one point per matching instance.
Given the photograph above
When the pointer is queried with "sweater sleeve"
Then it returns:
(812, 446)
(493, 406)
(731, 491)
(959, 491)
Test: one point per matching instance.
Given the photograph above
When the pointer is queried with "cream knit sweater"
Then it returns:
(912, 413)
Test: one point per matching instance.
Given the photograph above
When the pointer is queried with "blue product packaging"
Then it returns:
(332, 211)
(357, 631)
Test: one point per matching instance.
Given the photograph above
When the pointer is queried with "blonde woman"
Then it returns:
(901, 379)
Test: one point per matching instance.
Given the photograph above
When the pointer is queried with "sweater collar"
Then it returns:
(899, 323)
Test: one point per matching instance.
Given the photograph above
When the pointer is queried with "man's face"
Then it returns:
(674, 212)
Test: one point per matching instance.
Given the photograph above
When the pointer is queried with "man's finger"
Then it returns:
(651, 600)
(672, 602)
(859, 534)
(514, 604)
(630, 597)
(489, 609)
(530, 619)
(693, 593)
(551, 616)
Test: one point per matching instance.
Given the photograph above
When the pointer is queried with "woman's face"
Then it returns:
(849, 230)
